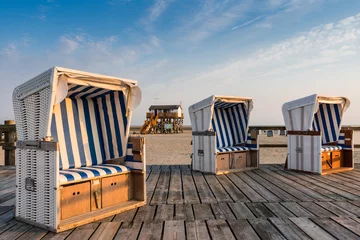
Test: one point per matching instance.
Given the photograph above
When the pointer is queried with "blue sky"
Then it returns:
(184, 51)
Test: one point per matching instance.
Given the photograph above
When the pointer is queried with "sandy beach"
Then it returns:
(176, 149)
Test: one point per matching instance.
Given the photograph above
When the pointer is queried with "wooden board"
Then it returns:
(114, 190)
(75, 200)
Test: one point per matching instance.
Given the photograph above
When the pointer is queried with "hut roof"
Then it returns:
(164, 107)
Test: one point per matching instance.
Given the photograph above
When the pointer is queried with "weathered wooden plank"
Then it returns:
(316, 209)
(162, 188)
(296, 209)
(164, 212)
(312, 194)
(128, 231)
(337, 210)
(273, 188)
(260, 210)
(266, 194)
(288, 228)
(145, 214)
(5, 209)
(242, 229)
(57, 236)
(349, 223)
(285, 187)
(175, 189)
(248, 191)
(319, 189)
(7, 225)
(219, 229)
(151, 184)
(241, 211)
(174, 230)
(83, 232)
(231, 189)
(220, 194)
(222, 211)
(15, 231)
(151, 230)
(190, 192)
(184, 212)
(106, 230)
(33, 233)
(349, 207)
(203, 189)
(203, 212)
(265, 229)
(126, 216)
(279, 210)
(334, 228)
(196, 230)
(311, 229)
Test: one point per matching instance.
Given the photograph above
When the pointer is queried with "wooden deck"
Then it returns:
(266, 203)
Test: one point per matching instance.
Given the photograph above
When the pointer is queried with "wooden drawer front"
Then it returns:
(239, 160)
(222, 162)
(75, 200)
(114, 190)
(326, 157)
(336, 159)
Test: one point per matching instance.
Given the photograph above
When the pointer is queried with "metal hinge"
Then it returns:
(299, 150)
(201, 152)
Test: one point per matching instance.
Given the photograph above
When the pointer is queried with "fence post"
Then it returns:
(9, 144)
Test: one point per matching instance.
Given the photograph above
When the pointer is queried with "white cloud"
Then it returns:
(156, 10)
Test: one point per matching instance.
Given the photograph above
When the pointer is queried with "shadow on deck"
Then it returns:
(266, 203)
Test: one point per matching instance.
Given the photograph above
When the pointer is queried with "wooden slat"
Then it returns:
(242, 229)
(348, 223)
(127, 216)
(151, 230)
(83, 232)
(349, 207)
(265, 229)
(316, 209)
(241, 211)
(57, 236)
(165, 212)
(196, 230)
(335, 229)
(288, 229)
(296, 209)
(203, 212)
(106, 230)
(203, 189)
(145, 214)
(190, 193)
(337, 210)
(219, 229)
(222, 211)
(235, 194)
(162, 188)
(220, 194)
(279, 210)
(246, 189)
(260, 210)
(151, 184)
(128, 231)
(175, 189)
(174, 230)
(311, 229)
(184, 212)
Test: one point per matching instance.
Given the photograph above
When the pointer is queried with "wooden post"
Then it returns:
(9, 144)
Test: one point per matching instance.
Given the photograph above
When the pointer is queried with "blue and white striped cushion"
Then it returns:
(76, 174)
(328, 121)
(232, 149)
(330, 148)
(129, 159)
(230, 122)
(90, 126)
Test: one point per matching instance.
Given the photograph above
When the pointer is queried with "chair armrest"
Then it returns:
(38, 145)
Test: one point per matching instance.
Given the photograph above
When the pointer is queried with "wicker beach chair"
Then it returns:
(75, 161)
(221, 139)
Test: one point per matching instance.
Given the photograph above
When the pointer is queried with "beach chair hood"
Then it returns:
(316, 113)
(226, 115)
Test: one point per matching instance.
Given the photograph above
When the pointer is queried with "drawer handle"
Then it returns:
(74, 193)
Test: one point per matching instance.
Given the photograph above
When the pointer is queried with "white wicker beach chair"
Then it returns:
(316, 142)
(221, 139)
(75, 161)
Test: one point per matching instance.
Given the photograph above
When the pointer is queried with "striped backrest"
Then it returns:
(90, 125)
(230, 122)
(327, 120)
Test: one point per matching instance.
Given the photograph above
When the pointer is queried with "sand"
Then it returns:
(176, 149)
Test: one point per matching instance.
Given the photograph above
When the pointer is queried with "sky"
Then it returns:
(182, 51)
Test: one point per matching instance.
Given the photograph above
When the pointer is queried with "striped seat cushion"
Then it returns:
(232, 149)
(76, 174)
(330, 148)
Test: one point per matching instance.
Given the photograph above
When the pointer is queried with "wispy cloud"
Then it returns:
(156, 10)
(247, 22)
(13, 49)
